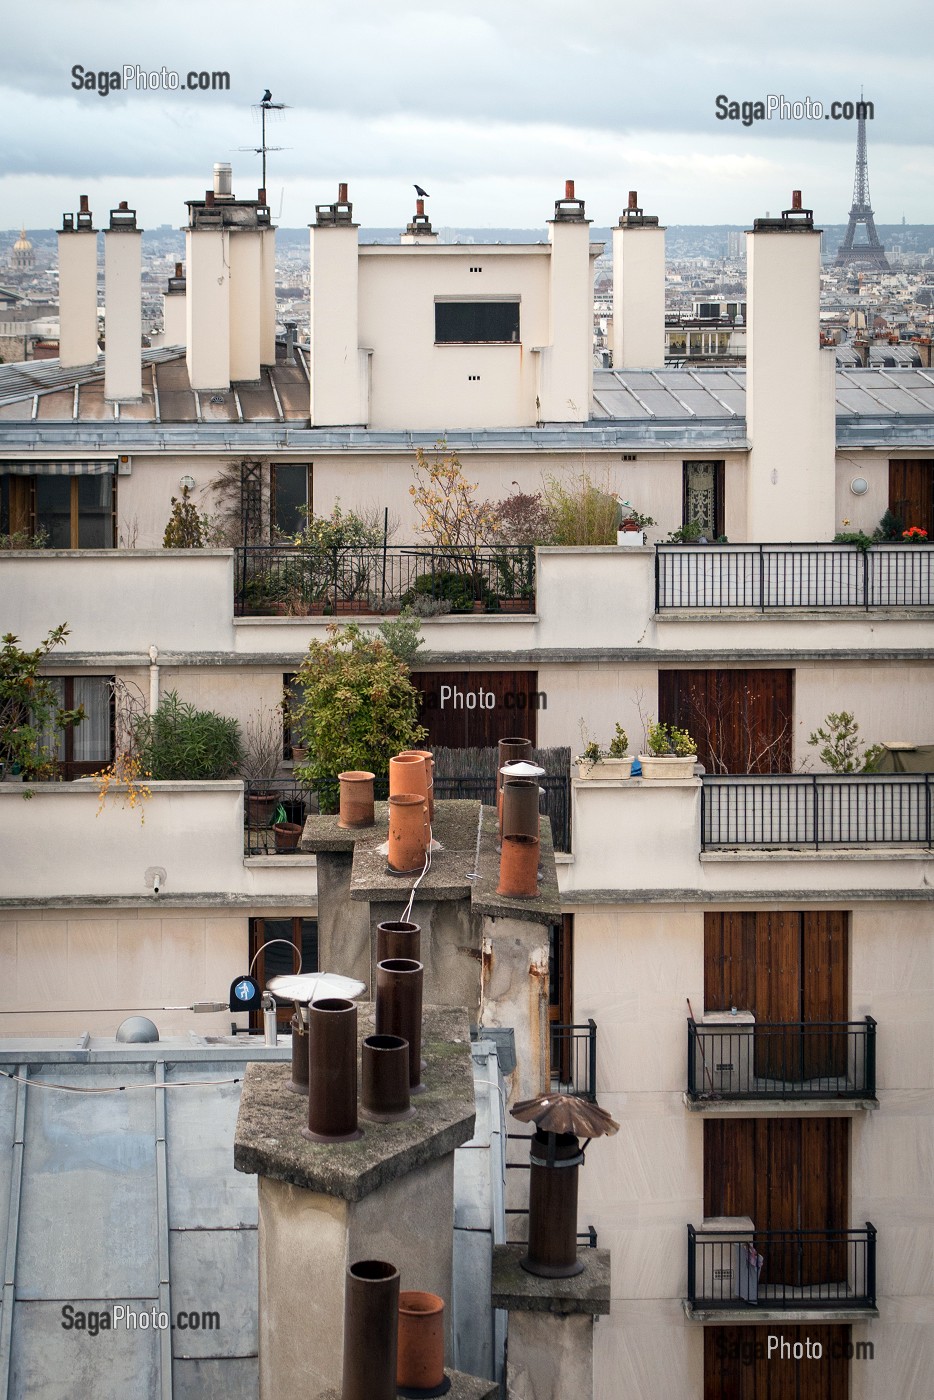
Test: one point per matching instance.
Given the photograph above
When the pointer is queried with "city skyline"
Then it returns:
(488, 111)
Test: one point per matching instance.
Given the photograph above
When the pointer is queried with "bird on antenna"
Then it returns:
(422, 194)
(267, 96)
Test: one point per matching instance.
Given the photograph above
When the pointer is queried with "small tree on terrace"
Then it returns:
(357, 705)
(30, 710)
(448, 510)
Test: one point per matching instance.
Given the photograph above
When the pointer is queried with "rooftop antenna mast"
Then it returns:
(265, 107)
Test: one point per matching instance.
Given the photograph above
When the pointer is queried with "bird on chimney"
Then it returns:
(266, 97)
(422, 194)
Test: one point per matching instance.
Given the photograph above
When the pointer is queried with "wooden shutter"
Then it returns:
(516, 701)
(911, 492)
(741, 720)
(737, 1365)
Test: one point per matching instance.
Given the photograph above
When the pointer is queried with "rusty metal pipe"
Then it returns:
(555, 1159)
(371, 1330)
(399, 983)
(398, 938)
(520, 807)
(299, 1081)
(384, 1079)
(332, 1071)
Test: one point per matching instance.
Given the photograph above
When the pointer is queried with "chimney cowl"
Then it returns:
(223, 179)
(569, 209)
(797, 219)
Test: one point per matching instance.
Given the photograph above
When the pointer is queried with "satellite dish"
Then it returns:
(307, 987)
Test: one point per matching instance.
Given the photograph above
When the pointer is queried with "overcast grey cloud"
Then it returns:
(489, 105)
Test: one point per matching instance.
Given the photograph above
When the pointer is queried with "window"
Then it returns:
(291, 496)
(275, 960)
(86, 747)
(702, 497)
(476, 322)
(75, 512)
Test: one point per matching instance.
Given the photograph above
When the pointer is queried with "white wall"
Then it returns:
(418, 384)
(638, 298)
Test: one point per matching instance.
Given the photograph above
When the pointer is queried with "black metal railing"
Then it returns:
(556, 803)
(574, 1060)
(270, 580)
(783, 1269)
(772, 576)
(274, 813)
(816, 810)
(782, 1060)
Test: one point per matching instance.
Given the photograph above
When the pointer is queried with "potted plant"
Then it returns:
(599, 765)
(630, 530)
(262, 754)
(287, 834)
(672, 752)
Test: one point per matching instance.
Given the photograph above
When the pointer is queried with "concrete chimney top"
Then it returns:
(83, 223)
(341, 212)
(794, 220)
(569, 209)
(633, 217)
(123, 219)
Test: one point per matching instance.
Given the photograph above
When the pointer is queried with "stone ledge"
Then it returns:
(735, 854)
(757, 1314)
(545, 908)
(268, 1139)
(463, 1387)
(518, 1291)
(779, 1108)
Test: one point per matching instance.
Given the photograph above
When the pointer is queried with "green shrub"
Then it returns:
(582, 511)
(180, 743)
(667, 741)
(460, 590)
(841, 752)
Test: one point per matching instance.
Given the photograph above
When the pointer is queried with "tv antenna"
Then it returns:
(266, 107)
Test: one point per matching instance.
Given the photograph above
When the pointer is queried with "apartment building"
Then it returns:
(749, 947)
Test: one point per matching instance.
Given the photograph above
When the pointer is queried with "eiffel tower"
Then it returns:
(871, 253)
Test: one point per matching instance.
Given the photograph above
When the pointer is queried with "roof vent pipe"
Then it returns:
(796, 199)
(223, 179)
(209, 199)
(569, 189)
(371, 1331)
(634, 199)
(84, 204)
(342, 193)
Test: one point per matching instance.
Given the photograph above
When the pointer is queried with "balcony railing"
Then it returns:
(815, 811)
(766, 577)
(275, 580)
(264, 807)
(574, 1060)
(782, 1060)
(782, 1269)
(556, 803)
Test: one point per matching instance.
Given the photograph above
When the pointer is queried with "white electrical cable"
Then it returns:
(113, 1088)
(425, 869)
(268, 944)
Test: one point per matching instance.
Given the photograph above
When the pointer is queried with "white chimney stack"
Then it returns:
(123, 322)
(790, 408)
(175, 330)
(638, 290)
(337, 370)
(230, 287)
(77, 289)
(565, 384)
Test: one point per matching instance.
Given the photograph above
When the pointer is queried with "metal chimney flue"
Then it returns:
(399, 983)
(223, 179)
(796, 199)
(420, 207)
(83, 205)
(569, 189)
(332, 1071)
(342, 193)
(371, 1331)
(384, 1079)
(633, 199)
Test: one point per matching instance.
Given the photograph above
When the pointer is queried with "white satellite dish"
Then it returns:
(307, 987)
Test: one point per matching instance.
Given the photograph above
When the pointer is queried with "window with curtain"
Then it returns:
(86, 747)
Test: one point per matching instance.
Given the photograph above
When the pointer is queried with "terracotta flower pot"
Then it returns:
(356, 799)
(260, 807)
(398, 938)
(408, 832)
(518, 867)
(287, 835)
(421, 1341)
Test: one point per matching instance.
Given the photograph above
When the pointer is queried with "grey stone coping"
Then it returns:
(519, 1291)
(463, 1387)
(268, 1139)
(779, 1108)
(759, 1314)
(545, 908)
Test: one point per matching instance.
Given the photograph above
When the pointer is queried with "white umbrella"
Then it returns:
(308, 987)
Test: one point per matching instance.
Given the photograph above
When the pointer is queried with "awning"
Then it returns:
(38, 466)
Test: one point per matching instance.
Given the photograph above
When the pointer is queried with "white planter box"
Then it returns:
(669, 767)
(630, 538)
(605, 770)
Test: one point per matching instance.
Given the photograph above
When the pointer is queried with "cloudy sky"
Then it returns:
(489, 104)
